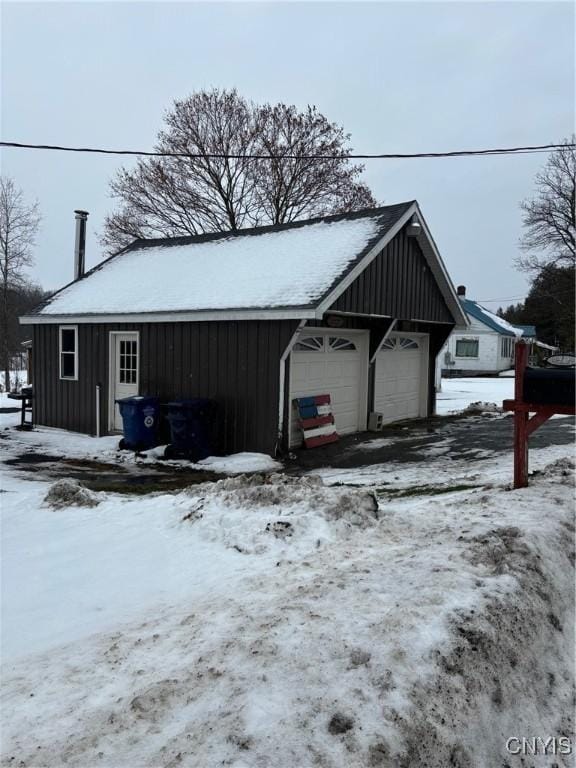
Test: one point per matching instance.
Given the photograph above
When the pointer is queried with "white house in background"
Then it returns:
(486, 347)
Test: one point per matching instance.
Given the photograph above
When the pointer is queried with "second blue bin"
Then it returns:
(192, 428)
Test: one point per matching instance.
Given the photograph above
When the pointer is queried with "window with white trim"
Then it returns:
(507, 346)
(68, 351)
(467, 348)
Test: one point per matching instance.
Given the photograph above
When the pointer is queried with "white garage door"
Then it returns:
(400, 377)
(332, 363)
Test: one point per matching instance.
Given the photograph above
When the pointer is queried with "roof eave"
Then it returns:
(285, 313)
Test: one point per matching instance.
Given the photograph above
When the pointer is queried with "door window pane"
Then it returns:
(128, 364)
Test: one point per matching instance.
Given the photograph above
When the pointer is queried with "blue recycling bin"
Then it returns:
(140, 417)
(192, 428)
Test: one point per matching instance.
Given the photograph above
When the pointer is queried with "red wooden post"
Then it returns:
(523, 424)
(520, 419)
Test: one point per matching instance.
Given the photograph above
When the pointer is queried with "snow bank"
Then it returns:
(69, 493)
(425, 639)
(291, 515)
(481, 408)
(240, 462)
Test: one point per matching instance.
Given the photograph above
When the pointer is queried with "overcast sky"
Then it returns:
(400, 77)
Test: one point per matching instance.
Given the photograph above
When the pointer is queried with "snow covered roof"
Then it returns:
(494, 322)
(276, 271)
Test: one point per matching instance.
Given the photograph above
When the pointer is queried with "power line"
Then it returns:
(502, 298)
(225, 156)
(511, 298)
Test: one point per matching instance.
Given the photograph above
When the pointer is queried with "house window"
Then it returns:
(507, 346)
(68, 351)
(467, 348)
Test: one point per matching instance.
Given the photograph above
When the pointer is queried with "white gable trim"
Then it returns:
(439, 271)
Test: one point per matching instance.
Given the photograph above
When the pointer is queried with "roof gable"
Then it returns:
(397, 283)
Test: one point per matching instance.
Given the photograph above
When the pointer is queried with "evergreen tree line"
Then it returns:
(549, 306)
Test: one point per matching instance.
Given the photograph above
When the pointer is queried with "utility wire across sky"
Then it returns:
(352, 156)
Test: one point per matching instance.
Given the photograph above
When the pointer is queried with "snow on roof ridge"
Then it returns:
(267, 228)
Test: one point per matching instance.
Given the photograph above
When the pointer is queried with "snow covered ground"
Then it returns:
(457, 394)
(390, 615)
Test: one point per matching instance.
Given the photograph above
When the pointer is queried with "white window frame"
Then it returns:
(467, 357)
(507, 346)
(61, 352)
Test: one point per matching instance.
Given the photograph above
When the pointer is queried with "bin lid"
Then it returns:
(195, 402)
(138, 400)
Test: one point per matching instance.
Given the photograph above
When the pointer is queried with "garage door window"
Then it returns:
(338, 344)
(400, 343)
(310, 344)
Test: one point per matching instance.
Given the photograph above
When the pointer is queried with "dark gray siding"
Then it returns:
(397, 283)
(235, 363)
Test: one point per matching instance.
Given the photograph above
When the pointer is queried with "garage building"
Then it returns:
(356, 306)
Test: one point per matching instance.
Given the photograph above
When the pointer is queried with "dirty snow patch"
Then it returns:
(70, 493)
(239, 462)
(255, 514)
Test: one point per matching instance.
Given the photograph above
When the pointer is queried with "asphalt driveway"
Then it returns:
(452, 437)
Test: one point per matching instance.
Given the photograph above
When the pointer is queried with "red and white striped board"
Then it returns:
(316, 420)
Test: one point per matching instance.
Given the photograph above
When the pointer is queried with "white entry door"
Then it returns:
(401, 377)
(335, 363)
(124, 372)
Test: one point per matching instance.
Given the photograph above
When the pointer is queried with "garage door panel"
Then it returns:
(334, 370)
(398, 377)
(345, 399)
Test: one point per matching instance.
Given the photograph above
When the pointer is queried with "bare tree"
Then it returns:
(550, 218)
(194, 193)
(214, 185)
(19, 224)
(289, 187)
